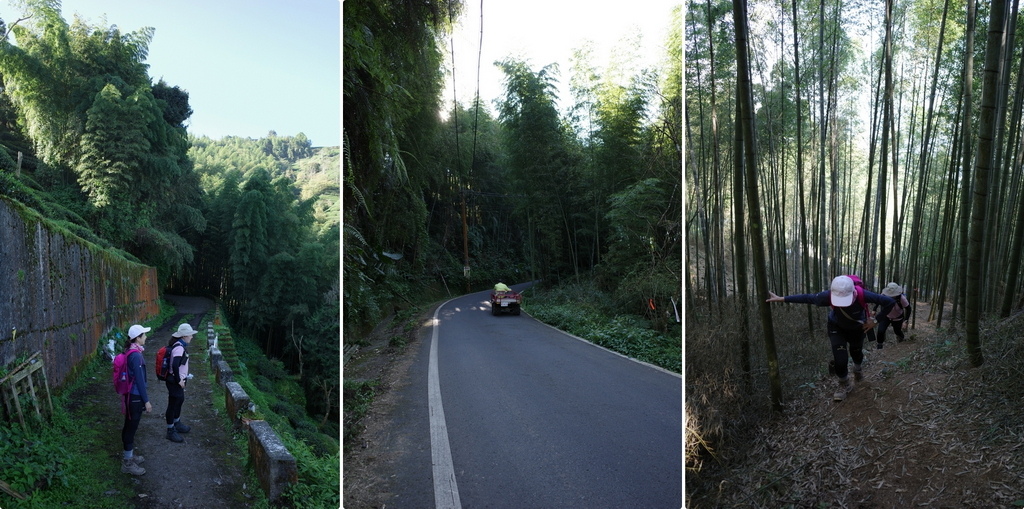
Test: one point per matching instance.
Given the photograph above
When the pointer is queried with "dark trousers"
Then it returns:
(897, 328)
(131, 421)
(175, 398)
(846, 345)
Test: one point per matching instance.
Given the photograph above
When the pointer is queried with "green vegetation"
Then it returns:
(107, 158)
(106, 147)
(280, 400)
(273, 251)
(68, 460)
(65, 462)
(519, 193)
(582, 311)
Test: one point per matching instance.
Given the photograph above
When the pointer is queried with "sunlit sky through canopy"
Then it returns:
(545, 32)
(249, 66)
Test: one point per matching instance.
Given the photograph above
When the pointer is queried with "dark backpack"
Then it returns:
(906, 310)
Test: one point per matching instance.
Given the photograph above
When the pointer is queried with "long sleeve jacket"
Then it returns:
(850, 317)
(137, 365)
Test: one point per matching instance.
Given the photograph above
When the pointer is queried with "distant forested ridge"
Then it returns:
(512, 191)
(271, 249)
(92, 143)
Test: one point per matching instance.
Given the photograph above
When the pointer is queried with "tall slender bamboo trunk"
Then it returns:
(982, 167)
(753, 203)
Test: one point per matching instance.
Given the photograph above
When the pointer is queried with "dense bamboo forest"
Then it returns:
(100, 149)
(443, 202)
(881, 139)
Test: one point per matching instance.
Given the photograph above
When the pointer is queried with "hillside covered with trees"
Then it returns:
(92, 143)
(514, 191)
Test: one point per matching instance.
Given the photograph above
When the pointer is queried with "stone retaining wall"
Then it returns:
(59, 294)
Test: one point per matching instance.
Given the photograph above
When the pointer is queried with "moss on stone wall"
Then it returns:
(62, 293)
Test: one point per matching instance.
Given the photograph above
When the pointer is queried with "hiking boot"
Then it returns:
(857, 373)
(137, 459)
(182, 428)
(130, 467)
(845, 387)
(173, 436)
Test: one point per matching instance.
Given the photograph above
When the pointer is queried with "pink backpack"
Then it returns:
(122, 376)
(858, 286)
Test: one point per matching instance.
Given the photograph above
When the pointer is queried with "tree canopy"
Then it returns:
(524, 191)
(93, 143)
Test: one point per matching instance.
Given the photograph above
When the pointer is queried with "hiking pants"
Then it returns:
(897, 328)
(175, 398)
(846, 345)
(131, 421)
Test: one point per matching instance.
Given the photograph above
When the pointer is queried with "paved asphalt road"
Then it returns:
(538, 419)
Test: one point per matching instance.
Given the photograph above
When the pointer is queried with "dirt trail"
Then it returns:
(907, 436)
(206, 471)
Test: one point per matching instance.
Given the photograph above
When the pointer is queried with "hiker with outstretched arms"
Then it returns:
(848, 321)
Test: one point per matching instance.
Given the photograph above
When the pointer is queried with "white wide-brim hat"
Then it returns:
(184, 330)
(892, 290)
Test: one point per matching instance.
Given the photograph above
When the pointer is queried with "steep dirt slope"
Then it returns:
(912, 434)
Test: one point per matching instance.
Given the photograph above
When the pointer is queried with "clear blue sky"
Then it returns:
(249, 66)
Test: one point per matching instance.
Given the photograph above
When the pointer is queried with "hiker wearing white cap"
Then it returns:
(138, 399)
(176, 380)
(848, 320)
(896, 316)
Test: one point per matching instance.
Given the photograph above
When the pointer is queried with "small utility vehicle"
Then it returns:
(508, 301)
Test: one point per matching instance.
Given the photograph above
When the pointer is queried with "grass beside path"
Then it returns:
(74, 457)
(582, 313)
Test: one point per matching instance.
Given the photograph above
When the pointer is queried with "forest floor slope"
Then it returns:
(922, 429)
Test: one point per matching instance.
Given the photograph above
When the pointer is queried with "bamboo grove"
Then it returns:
(520, 189)
(884, 140)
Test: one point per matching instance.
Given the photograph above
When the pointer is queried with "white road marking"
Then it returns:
(446, 490)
